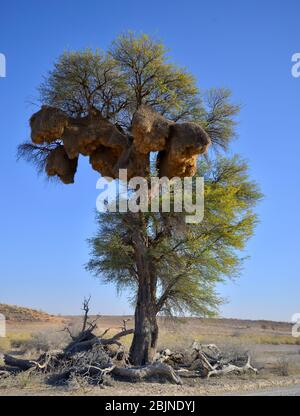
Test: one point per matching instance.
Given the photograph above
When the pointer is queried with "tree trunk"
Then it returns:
(145, 337)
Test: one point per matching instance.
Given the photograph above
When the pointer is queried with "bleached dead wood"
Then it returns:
(91, 357)
(231, 368)
(201, 347)
(116, 337)
(91, 361)
(156, 370)
(206, 360)
(84, 345)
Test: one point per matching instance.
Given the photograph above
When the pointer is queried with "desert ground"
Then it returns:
(275, 353)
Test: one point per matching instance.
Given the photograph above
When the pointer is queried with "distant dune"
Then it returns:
(20, 314)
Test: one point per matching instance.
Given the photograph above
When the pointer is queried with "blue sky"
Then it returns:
(243, 45)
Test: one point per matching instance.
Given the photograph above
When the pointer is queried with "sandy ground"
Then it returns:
(227, 386)
(276, 391)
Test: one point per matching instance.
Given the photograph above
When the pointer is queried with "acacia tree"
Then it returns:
(170, 268)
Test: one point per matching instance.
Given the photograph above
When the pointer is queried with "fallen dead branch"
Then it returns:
(231, 368)
(152, 371)
(206, 360)
(17, 362)
(92, 358)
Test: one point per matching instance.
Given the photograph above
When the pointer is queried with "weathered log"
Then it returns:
(8, 369)
(169, 357)
(82, 346)
(186, 373)
(231, 368)
(116, 337)
(18, 362)
(200, 347)
(156, 370)
(206, 360)
(84, 341)
(87, 344)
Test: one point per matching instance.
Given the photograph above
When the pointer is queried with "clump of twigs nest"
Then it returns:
(94, 358)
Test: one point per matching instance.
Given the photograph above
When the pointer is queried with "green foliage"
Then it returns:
(153, 79)
(219, 118)
(82, 80)
(186, 263)
(136, 70)
(112, 251)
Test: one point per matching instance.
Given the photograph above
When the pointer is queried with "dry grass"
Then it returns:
(14, 340)
(272, 340)
(45, 341)
(274, 351)
(174, 333)
(4, 345)
(282, 367)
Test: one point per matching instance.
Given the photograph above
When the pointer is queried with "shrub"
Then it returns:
(45, 341)
(282, 367)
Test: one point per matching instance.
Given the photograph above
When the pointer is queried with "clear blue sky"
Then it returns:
(243, 45)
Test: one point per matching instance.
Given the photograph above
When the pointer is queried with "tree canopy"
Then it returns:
(187, 265)
(136, 70)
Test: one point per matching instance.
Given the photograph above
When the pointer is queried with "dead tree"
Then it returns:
(93, 360)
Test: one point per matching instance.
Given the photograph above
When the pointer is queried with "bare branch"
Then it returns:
(86, 310)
